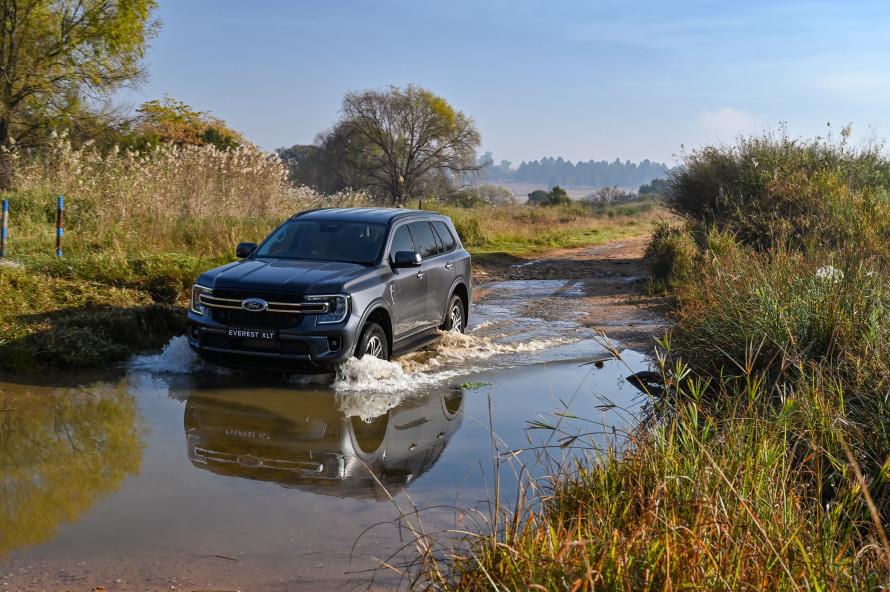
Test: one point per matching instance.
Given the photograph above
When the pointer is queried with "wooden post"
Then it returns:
(4, 224)
(59, 227)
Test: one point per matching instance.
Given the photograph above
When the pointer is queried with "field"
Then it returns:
(140, 228)
(762, 462)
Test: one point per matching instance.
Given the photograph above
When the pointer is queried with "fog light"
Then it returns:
(335, 342)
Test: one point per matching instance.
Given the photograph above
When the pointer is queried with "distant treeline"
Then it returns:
(556, 171)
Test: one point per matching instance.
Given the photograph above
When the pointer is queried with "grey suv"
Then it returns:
(332, 283)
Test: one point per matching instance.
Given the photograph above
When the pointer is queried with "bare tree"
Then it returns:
(402, 143)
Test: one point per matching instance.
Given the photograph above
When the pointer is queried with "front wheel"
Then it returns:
(372, 343)
(455, 319)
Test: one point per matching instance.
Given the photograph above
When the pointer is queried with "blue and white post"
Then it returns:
(59, 227)
(4, 224)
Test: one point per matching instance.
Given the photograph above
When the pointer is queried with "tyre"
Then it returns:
(372, 343)
(455, 319)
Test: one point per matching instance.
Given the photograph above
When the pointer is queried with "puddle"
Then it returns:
(179, 475)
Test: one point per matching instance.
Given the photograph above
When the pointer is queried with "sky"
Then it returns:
(582, 80)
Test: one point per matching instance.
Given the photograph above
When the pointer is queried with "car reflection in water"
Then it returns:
(304, 441)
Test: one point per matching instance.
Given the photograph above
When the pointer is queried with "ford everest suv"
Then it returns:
(333, 283)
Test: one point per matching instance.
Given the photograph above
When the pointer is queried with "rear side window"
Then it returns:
(401, 241)
(444, 235)
(424, 239)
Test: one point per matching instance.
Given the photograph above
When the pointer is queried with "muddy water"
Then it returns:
(170, 474)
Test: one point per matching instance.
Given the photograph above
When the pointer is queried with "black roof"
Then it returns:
(378, 215)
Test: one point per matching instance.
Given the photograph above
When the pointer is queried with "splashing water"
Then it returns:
(176, 358)
(454, 354)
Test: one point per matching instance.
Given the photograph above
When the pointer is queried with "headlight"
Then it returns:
(338, 308)
(195, 306)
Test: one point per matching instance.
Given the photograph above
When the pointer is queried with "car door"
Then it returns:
(451, 254)
(434, 267)
(407, 288)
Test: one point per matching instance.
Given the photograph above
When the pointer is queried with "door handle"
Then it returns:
(420, 275)
(449, 265)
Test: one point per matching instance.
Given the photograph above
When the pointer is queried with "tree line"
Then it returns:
(556, 171)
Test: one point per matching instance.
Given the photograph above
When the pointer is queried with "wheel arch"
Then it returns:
(380, 316)
(460, 289)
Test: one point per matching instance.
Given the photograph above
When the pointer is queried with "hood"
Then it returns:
(275, 275)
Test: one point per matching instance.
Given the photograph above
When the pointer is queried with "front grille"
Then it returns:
(284, 310)
(265, 319)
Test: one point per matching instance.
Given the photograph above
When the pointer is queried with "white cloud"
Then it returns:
(726, 123)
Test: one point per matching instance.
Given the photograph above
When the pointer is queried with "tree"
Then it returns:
(301, 161)
(58, 57)
(538, 197)
(558, 197)
(402, 143)
(174, 122)
(657, 187)
(495, 195)
(480, 196)
(555, 197)
(609, 195)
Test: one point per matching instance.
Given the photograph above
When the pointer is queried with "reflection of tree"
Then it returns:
(60, 453)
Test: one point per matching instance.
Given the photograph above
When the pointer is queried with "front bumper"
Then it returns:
(305, 348)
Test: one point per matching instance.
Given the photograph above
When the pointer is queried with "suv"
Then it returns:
(333, 283)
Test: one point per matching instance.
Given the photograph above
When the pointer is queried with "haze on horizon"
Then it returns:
(583, 81)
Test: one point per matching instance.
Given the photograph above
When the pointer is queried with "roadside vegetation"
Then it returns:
(141, 225)
(763, 457)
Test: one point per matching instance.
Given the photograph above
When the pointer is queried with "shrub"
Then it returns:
(769, 190)
(671, 254)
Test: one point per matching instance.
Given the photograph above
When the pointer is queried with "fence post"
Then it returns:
(4, 224)
(59, 227)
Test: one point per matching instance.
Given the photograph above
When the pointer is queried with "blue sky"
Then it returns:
(583, 80)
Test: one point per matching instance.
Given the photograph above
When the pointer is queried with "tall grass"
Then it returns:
(721, 487)
(139, 228)
(764, 463)
(148, 223)
(176, 197)
(773, 188)
(804, 287)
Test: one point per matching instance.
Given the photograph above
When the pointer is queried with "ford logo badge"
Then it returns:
(254, 304)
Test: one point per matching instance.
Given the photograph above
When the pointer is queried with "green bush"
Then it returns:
(771, 190)
(671, 254)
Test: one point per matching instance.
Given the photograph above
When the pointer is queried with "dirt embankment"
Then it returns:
(608, 282)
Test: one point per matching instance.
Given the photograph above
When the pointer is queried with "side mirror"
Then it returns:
(244, 249)
(406, 259)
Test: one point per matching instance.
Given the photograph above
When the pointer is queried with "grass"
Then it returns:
(525, 230)
(764, 462)
(718, 488)
(49, 322)
(140, 228)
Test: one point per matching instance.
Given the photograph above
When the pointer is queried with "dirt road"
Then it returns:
(612, 279)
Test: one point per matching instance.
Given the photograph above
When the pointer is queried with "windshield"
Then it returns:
(321, 240)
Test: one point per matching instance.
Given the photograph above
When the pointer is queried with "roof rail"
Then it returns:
(304, 212)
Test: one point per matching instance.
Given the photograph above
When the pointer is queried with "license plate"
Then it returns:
(250, 333)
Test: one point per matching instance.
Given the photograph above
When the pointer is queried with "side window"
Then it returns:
(445, 235)
(426, 240)
(401, 241)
